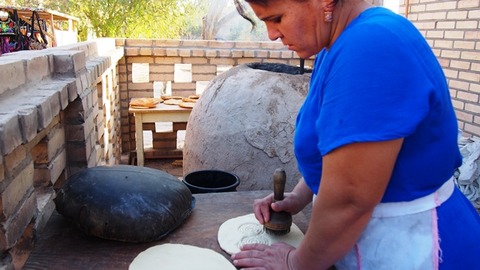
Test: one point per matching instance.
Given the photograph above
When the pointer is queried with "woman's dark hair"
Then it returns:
(241, 10)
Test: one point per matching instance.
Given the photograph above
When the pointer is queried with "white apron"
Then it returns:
(401, 236)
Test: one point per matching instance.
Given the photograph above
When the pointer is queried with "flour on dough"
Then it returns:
(178, 256)
(242, 230)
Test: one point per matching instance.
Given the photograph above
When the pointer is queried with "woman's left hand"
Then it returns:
(262, 257)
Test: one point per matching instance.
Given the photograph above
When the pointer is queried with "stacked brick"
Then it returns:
(50, 118)
(453, 30)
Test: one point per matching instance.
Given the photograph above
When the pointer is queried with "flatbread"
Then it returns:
(142, 107)
(188, 105)
(145, 103)
(172, 101)
(187, 99)
(165, 97)
(246, 229)
(179, 257)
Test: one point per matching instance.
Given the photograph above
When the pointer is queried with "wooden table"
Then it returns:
(62, 246)
(161, 113)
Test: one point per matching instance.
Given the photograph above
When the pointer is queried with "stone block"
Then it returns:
(69, 62)
(78, 88)
(48, 105)
(37, 68)
(131, 51)
(16, 190)
(184, 52)
(47, 174)
(76, 152)
(13, 229)
(172, 52)
(45, 208)
(56, 86)
(44, 106)
(205, 69)
(10, 133)
(159, 51)
(12, 74)
(222, 44)
(27, 115)
(287, 55)
(145, 51)
(224, 53)
(247, 45)
(17, 158)
(89, 125)
(211, 53)
(50, 146)
(75, 133)
(84, 78)
(139, 42)
(195, 43)
(167, 42)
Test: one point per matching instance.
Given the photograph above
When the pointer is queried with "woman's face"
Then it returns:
(298, 24)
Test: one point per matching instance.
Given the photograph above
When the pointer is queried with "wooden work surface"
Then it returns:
(62, 246)
(159, 107)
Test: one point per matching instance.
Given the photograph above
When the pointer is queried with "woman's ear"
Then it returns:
(328, 6)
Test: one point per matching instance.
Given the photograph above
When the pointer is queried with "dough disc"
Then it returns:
(241, 230)
(178, 256)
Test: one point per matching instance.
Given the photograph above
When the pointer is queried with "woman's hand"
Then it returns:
(262, 257)
(293, 202)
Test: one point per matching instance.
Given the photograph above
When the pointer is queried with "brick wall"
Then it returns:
(207, 59)
(453, 31)
(59, 113)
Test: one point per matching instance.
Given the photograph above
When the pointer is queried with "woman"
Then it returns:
(376, 143)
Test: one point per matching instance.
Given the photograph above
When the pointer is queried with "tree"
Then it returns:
(134, 18)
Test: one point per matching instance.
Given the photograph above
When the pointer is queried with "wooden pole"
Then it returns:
(407, 4)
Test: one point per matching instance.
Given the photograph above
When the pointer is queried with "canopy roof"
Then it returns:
(46, 14)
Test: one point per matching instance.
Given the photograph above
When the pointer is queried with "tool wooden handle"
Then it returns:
(279, 180)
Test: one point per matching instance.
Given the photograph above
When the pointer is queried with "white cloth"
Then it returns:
(401, 236)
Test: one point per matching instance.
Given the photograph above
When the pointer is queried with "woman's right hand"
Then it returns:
(293, 202)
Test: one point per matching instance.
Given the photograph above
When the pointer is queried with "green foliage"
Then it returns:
(167, 19)
(134, 18)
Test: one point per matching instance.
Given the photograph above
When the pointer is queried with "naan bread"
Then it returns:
(246, 229)
(145, 103)
(172, 101)
(179, 257)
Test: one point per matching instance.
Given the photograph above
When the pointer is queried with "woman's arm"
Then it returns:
(354, 179)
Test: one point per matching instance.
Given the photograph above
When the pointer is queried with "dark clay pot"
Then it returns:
(125, 203)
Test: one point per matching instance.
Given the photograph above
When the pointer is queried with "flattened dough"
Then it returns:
(178, 257)
(241, 230)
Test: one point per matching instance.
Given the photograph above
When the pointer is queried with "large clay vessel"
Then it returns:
(244, 124)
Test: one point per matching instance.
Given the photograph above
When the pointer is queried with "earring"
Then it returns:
(327, 16)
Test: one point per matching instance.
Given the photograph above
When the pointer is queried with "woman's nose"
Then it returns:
(274, 34)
